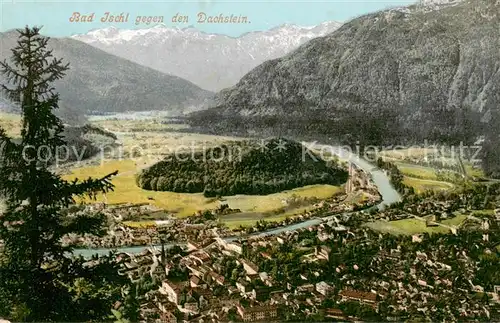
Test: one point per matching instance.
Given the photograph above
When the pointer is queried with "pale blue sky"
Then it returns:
(54, 15)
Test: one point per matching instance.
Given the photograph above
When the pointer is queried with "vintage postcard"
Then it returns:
(249, 161)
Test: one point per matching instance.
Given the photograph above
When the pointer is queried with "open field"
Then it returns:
(422, 185)
(415, 226)
(445, 156)
(258, 203)
(185, 204)
(143, 149)
(474, 171)
(141, 224)
(424, 172)
(456, 221)
(249, 219)
(144, 142)
(11, 123)
(423, 178)
(126, 191)
(442, 154)
(483, 213)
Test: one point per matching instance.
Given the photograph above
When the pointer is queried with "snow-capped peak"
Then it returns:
(427, 5)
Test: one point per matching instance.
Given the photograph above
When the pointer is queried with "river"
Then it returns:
(380, 178)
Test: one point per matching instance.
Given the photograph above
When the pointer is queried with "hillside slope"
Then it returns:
(403, 74)
(242, 167)
(100, 82)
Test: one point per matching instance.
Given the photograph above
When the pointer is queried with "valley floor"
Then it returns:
(140, 149)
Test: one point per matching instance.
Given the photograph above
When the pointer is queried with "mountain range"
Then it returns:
(427, 71)
(100, 82)
(211, 61)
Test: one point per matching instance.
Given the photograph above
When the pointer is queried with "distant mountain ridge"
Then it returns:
(211, 61)
(100, 82)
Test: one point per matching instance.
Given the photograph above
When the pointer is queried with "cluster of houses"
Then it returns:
(206, 293)
(123, 233)
(218, 279)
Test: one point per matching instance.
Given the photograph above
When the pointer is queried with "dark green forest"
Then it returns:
(242, 167)
(84, 142)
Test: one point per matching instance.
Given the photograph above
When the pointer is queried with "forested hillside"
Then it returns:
(242, 167)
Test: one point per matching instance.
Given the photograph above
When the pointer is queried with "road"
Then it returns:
(380, 178)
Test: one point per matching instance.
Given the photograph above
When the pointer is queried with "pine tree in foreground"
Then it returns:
(39, 278)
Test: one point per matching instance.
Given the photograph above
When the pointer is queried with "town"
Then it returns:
(123, 231)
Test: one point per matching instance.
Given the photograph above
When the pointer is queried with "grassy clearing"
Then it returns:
(241, 223)
(11, 123)
(257, 206)
(409, 161)
(249, 219)
(384, 226)
(456, 221)
(415, 226)
(422, 185)
(291, 213)
(413, 153)
(185, 204)
(259, 203)
(140, 224)
(357, 198)
(150, 125)
(126, 191)
(421, 178)
(483, 213)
